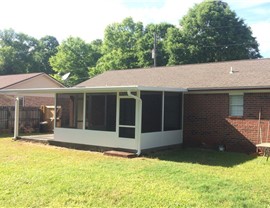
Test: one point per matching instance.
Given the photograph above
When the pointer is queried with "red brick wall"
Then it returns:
(38, 101)
(207, 121)
(6, 100)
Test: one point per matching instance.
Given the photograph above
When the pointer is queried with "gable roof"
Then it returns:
(246, 74)
(9, 80)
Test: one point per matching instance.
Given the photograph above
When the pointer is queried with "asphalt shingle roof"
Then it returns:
(9, 80)
(246, 74)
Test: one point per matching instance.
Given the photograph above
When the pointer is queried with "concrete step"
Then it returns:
(120, 154)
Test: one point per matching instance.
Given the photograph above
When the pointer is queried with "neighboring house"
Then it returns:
(24, 81)
(30, 116)
(212, 104)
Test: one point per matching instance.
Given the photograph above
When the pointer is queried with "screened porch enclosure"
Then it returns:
(127, 120)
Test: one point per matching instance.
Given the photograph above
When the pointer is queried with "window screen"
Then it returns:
(70, 110)
(97, 112)
(151, 111)
(236, 105)
(127, 112)
(172, 111)
(101, 112)
(126, 132)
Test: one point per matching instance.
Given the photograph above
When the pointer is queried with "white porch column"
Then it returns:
(138, 128)
(16, 118)
(55, 112)
(84, 110)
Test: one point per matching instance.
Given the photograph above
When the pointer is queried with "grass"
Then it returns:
(33, 175)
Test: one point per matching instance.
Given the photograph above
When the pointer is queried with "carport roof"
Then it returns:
(89, 90)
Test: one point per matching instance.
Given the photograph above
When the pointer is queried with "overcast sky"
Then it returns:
(88, 18)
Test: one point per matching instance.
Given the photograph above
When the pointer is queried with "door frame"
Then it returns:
(122, 142)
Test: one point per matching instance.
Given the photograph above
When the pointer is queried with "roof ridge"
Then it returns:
(192, 64)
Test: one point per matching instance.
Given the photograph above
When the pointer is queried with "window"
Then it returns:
(172, 111)
(70, 110)
(236, 105)
(101, 112)
(151, 111)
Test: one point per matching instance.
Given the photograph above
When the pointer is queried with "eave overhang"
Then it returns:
(88, 90)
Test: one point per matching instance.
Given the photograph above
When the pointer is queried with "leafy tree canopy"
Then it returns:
(119, 47)
(146, 44)
(20, 53)
(16, 52)
(129, 45)
(73, 56)
(47, 47)
(211, 32)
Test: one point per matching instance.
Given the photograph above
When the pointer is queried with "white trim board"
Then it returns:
(89, 90)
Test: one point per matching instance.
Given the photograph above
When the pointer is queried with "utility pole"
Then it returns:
(154, 51)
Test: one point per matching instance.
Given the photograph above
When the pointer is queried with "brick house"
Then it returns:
(23, 81)
(222, 102)
(210, 105)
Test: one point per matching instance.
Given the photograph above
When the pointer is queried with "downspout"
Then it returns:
(139, 121)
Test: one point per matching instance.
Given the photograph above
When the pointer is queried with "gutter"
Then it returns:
(229, 88)
(138, 129)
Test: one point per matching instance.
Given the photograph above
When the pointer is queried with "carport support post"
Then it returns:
(16, 118)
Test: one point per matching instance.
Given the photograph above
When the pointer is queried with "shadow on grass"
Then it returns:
(21, 134)
(5, 135)
(202, 156)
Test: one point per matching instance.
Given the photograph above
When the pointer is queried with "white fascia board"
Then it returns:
(233, 91)
(68, 90)
(228, 88)
(87, 90)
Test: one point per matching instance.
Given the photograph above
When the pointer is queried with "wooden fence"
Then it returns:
(30, 118)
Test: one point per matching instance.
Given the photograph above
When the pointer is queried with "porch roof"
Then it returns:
(98, 89)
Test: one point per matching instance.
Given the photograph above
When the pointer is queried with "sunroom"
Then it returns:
(127, 117)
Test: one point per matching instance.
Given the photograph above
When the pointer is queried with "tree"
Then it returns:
(212, 32)
(16, 52)
(97, 49)
(119, 46)
(20, 53)
(175, 47)
(73, 56)
(7, 57)
(47, 47)
(145, 45)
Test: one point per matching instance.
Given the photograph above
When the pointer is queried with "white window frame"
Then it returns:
(233, 104)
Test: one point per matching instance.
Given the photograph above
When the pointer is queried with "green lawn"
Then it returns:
(33, 175)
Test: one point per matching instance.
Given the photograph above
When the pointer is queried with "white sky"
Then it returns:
(88, 18)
